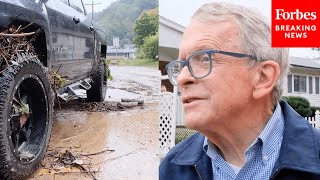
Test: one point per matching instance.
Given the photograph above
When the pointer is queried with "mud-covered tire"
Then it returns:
(23, 148)
(98, 90)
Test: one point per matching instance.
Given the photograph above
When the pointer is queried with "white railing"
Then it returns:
(314, 121)
(167, 121)
(180, 113)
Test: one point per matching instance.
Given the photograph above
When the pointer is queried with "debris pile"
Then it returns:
(105, 106)
(13, 40)
(65, 161)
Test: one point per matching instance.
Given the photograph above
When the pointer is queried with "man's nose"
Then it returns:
(185, 78)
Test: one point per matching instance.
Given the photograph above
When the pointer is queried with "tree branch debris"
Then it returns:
(14, 41)
(62, 160)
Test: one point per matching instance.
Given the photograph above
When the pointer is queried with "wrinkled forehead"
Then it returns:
(222, 35)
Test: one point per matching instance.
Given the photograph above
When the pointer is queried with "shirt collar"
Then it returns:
(272, 133)
(270, 136)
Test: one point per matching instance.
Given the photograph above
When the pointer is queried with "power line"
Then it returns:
(92, 5)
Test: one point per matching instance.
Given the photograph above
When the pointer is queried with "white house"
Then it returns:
(303, 80)
(121, 53)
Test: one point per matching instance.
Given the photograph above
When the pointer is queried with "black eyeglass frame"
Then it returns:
(209, 52)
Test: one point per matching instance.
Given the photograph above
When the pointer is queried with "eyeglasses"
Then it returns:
(199, 64)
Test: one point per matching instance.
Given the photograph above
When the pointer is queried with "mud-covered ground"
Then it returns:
(108, 140)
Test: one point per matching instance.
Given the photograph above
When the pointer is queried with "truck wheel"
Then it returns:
(97, 92)
(25, 117)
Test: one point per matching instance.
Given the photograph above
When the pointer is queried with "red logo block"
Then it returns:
(295, 23)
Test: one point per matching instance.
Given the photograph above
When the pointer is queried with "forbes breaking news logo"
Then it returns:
(295, 23)
(295, 31)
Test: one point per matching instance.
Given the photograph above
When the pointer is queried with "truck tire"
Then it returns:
(24, 141)
(98, 90)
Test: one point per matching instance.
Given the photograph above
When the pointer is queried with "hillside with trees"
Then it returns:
(119, 18)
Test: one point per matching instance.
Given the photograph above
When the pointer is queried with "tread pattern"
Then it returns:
(96, 93)
(10, 167)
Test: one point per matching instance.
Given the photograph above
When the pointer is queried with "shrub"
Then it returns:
(300, 104)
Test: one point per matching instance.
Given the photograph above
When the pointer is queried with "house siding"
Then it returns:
(313, 98)
(172, 33)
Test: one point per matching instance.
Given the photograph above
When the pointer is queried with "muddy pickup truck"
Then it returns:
(49, 49)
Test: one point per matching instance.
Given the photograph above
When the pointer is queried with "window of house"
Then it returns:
(310, 85)
(317, 85)
(300, 83)
(289, 83)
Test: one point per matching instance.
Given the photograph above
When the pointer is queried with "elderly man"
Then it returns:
(231, 81)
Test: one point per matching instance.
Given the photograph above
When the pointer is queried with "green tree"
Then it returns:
(146, 25)
(150, 47)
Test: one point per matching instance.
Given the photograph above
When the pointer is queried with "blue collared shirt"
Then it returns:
(260, 156)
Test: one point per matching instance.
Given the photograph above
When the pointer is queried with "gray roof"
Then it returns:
(304, 62)
(171, 24)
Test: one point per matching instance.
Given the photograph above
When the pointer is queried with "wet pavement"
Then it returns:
(109, 145)
(134, 82)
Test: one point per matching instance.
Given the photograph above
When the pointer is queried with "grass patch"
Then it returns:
(182, 133)
(138, 62)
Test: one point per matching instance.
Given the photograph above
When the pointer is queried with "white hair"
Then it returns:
(255, 35)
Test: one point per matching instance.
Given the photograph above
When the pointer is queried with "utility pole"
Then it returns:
(92, 5)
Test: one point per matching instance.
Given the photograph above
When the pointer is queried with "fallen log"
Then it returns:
(127, 104)
(140, 102)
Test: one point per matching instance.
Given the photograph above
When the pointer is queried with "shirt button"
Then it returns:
(265, 158)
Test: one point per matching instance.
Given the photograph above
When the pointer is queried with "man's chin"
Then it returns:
(192, 123)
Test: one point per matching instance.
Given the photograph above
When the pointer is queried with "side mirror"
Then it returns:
(76, 20)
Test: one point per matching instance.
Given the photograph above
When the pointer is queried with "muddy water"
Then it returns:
(131, 135)
(134, 82)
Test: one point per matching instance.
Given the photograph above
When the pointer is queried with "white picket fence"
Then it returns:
(314, 121)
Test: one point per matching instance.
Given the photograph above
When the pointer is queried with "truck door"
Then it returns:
(83, 52)
(71, 38)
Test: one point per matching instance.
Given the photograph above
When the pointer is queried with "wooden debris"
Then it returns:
(14, 41)
(62, 159)
(99, 107)
(140, 102)
(128, 104)
(111, 159)
(96, 153)
(17, 35)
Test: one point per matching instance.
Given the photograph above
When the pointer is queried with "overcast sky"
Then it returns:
(101, 5)
(180, 11)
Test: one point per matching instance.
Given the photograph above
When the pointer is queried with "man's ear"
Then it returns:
(266, 75)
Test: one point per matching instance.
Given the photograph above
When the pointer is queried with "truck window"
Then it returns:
(77, 5)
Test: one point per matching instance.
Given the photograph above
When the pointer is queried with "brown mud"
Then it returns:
(113, 145)
(107, 140)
